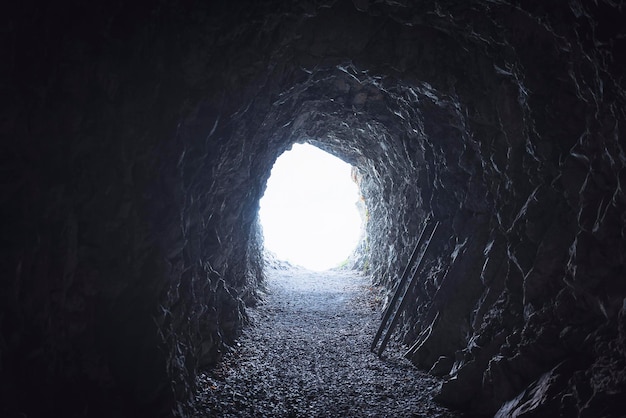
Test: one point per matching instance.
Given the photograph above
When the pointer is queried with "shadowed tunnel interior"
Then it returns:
(137, 138)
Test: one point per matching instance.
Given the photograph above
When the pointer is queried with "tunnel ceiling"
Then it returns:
(140, 138)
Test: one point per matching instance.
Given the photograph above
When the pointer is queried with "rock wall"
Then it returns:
(137, 140)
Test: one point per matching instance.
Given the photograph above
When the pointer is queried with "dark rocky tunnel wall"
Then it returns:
(137, 140)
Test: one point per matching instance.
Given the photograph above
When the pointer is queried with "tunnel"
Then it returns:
(138, 137)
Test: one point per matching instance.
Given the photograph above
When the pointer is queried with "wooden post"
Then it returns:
(404, 300)
(394, 300)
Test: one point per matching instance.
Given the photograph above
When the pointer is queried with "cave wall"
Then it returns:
(114, 289)
(137, 140)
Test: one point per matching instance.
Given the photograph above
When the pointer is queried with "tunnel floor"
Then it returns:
(306, 354)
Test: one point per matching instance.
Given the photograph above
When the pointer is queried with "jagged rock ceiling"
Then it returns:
(137, 140)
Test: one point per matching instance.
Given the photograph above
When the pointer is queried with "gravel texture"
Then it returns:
(306, 354)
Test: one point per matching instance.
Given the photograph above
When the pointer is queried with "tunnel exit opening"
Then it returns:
(309, 212)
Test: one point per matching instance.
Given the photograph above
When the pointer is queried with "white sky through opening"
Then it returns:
(309, 211)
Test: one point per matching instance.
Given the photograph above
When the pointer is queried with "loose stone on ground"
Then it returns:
(306, 354)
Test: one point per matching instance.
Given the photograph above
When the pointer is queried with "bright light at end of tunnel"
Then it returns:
(309, 211)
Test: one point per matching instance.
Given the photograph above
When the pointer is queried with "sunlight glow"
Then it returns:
(309, 211)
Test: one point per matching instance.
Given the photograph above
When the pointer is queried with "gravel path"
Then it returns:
(307, 355)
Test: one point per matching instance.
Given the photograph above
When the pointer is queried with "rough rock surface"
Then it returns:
(137, 138)
(306, 354)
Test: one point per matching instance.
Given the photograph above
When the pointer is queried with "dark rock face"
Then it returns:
(137, 141)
